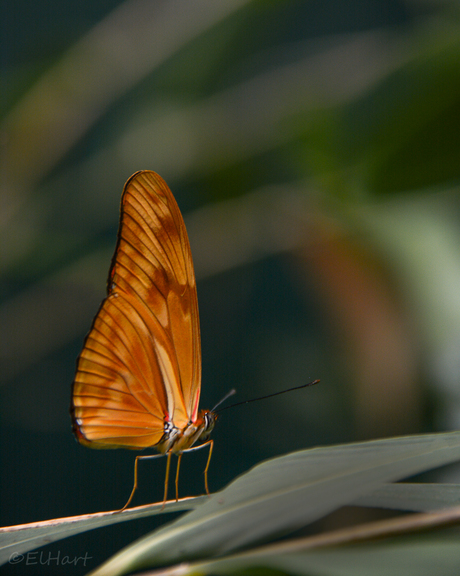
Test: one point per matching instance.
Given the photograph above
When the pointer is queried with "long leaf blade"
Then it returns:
(283, 494)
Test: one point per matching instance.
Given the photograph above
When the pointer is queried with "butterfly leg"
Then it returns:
(134, 486)
(135, 477)
(168, 465)
(179, 458)
(209, 443)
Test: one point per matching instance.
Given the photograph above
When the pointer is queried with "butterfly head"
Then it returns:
(206, 421)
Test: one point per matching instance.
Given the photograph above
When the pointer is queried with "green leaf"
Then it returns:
(17, 540)
(414, 497)
(432, 555)
(284, 494)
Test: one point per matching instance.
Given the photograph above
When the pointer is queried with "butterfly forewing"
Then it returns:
(141, 362)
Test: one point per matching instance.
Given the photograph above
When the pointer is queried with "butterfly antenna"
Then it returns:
(232, 391)
(263, 397)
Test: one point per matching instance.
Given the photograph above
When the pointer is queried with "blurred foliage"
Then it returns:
(313, 148)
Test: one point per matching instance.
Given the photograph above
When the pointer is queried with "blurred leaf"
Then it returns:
(283, 494)
(403, 133)
(419, 136)
(116, 54)
(419, 238)
(431, 555)
(17, 540)
(276, 496)
(415, 497)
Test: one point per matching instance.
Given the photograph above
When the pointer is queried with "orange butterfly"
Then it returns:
(138, 377)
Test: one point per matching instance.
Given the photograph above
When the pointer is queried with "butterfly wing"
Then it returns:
(141, 361)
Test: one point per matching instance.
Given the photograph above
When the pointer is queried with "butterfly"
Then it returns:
(138, 377)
